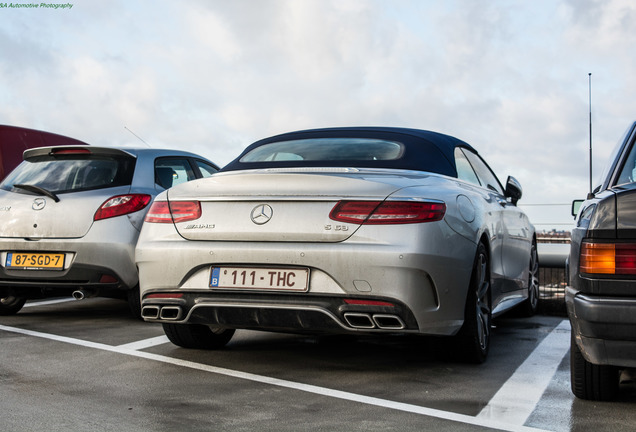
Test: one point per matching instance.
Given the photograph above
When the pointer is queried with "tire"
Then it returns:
(474, 336)
(590, 381)
(198, 336)
(134, 302)
(11, 305)
(530, 306)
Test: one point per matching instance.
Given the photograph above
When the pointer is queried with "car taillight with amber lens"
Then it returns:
(608, 258)
(174, 211)
(388, 212)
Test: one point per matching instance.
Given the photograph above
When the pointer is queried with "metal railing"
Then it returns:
(553, 250)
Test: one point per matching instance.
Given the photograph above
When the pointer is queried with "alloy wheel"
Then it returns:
(482, 305)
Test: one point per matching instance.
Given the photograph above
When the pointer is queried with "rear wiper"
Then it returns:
(38, 190)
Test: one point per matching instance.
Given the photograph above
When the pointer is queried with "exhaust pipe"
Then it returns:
(359, 320)
(388, 322)
(151, 312)
(83, 294)
(171, 313)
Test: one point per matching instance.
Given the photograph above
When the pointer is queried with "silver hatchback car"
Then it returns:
(70, 217)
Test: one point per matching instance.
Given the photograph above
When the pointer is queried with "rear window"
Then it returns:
(72, 173)
(326, 149)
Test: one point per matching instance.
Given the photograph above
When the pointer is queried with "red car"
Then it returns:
(15, 140)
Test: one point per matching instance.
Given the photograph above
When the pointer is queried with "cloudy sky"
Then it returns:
(211, 76)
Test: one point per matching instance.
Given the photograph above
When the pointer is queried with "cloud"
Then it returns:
(213, 76)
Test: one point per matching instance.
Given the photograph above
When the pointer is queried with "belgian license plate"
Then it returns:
(256, 278)
(35, 261)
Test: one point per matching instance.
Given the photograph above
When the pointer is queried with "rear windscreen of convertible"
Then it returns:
(326, 149)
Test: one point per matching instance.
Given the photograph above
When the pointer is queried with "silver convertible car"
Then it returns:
(70, 217)
(340, 230)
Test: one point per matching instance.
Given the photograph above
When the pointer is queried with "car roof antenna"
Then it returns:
(137, 136)
(589, 75)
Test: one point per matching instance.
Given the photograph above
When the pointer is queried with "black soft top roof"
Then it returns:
(424, 150)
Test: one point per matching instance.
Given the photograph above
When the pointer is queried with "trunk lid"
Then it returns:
(281, 205)
(24, 215)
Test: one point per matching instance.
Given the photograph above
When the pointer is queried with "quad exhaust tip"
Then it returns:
(172, 313)
(388, 322)
(151, 312)
(376, 321)
(359, 320)
(168, 313)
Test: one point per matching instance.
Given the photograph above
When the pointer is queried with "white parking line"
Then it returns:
(146, 343)
(519, 396)
(384, 403)
(48, 302)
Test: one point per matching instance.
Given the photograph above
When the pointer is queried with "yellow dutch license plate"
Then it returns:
(35, 261)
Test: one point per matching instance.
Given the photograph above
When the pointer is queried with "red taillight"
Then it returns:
(388, 212)
(175, 211)
(353, 211)
(159, 212)
(608, 258)
(121, 205)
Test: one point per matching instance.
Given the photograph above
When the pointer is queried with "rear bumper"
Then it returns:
(311, 314)
(604, 327)
(427, 283)
(102, 260)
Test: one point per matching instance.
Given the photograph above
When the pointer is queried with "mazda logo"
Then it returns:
(261, 214)
(38, 204)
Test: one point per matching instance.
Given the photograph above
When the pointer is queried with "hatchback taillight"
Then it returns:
(388, 212)
(121, 205)
(608, 258)
(174, 211)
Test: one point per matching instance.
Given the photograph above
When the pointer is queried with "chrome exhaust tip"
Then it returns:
(83, 294)
(150, 312)
(359, 320)
(170, 313)
(388, 322)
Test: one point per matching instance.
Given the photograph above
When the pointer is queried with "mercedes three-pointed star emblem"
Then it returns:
(261, 214)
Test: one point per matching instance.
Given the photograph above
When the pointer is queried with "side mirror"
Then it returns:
(576, 206)
(513, 190)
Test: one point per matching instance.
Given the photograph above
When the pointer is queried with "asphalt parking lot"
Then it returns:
(88, 365)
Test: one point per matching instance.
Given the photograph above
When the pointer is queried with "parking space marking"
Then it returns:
(518, 397)
(322, 391)
(146, 343)
(48, 302)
